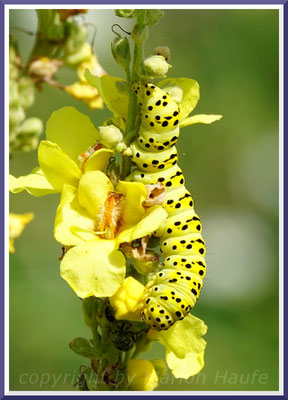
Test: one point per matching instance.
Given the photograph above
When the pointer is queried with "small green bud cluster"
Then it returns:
(24, 132)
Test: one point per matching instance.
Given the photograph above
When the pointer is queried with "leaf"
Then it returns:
(125, 13)
(200, 119)
(84, 348)
(107, 86)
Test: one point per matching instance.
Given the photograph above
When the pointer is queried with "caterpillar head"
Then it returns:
(160, 113)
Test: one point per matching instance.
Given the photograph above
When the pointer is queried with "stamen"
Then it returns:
(83, 157)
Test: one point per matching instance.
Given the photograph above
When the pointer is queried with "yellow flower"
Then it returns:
(69, 134)
(96, 218)
(184, 346)
(17, 223)
(186, 93)
(125, 300)
(82, 90)
(142, 375)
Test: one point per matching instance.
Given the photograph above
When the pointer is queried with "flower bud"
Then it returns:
(13, 93)
(44, 67)
(156, 66)
(110, 136)
(78, 35)
(142, 375)
(31, 127)
(125, 300)
(81, 55)
(121, 52)
(27, 92)
(160, 367)
(16, 115)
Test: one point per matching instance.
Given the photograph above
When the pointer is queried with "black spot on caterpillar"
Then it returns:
(173, 291)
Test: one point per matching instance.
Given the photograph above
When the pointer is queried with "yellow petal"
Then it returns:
(57, 166)
(17, 223)
(142, 375)
(191, 93)
(135, 193)
(107, 86)
(71, 130)
(185, 346)
(73, 225)
(82, 91)
(35, 183)
(200, 119)
(98, 160)
(92, 192)
(147, 225)
(94, 269)
(185, 367)
(126, 300)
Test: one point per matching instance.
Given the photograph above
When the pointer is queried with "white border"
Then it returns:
(9, 7)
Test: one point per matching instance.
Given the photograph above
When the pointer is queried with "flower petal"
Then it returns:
(73, 226)
(126, 300)
(107, 86)
(135, 193)
(142, 375)
(185, 346)
(57, 166)
(200, 118)
(92, 191)
(147, 225)
(35, 183)
(191, 93)
(185, 367)
(94, 269)
(98, 160)
(185, 336)
(71, 130)
(17, 223)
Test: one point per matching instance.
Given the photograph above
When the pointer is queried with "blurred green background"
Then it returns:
(231, 168)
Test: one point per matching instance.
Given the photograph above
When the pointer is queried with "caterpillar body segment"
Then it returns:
(174, 290)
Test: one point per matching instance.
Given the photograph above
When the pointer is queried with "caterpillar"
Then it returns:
(174, 290)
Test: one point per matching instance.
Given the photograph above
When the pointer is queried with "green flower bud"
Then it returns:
(121, 51)
(16, 115)
(110, 136)
(125, 13)
(156, 66)
(160, 367)
(27, 92)
(83, 347)
(78, 35)
(26, 143)
(31, 127)
(83, 54)
(13, 93)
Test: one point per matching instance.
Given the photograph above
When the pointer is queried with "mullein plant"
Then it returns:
(108, 222)
(61, 40)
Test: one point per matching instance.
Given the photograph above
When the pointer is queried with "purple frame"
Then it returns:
(2, 250)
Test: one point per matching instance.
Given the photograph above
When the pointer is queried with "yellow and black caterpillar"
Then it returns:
(173, 291)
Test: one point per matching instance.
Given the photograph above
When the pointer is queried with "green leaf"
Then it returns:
(190, 96)
(152, 16)
(107, 86)
(111, 353)
(200, 119)
(71, 130)
(84, 348)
